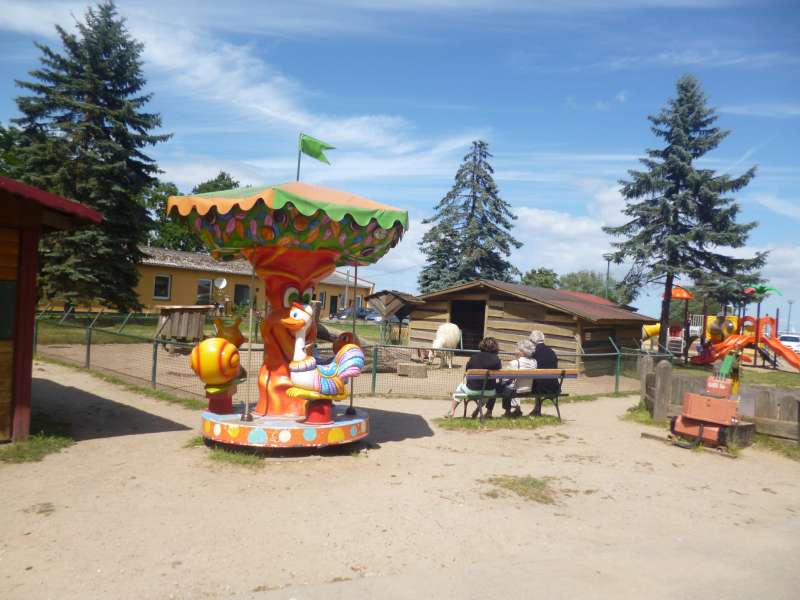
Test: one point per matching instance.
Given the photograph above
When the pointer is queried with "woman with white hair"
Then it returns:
(513, 387)
(545, 359)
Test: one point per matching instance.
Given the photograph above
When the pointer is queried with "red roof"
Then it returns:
(50, 201)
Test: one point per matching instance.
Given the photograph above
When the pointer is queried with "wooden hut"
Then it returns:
(25, 213)
(573, 322)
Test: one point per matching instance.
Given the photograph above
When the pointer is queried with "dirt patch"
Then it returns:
(144, 516)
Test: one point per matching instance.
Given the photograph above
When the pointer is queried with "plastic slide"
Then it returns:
(718, 351)
(788, 355)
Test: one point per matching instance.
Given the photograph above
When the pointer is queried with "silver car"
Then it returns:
(791, 341)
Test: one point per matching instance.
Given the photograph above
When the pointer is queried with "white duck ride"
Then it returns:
(312, 381)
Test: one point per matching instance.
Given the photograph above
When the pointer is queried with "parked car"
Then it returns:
(373, 315)
(791, 341)
(347, 313)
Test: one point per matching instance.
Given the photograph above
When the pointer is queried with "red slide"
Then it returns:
(718, 351)
(788, 355)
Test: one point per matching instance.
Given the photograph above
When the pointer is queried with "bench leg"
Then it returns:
(554, 400)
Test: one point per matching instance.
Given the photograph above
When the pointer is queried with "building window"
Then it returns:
(322, 298)
(204, 291)
(241, 295)
(162, 287)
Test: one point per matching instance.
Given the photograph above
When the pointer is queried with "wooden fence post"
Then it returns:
(663, 390)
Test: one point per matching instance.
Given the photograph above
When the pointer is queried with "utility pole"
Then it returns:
(789, 318)
(608, 272)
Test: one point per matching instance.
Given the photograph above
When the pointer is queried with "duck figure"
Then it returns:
(312, 381)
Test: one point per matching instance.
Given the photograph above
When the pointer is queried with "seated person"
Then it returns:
(513, 387)
(545, 359)
(485, 359)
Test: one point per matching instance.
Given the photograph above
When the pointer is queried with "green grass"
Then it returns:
(639, 414)
(196, 441)
(47, 437)
(249, 458)
(190, 403)
(532, 489)
(787, 448)
(585, 397)
(460, 423)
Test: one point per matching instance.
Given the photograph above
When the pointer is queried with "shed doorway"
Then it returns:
(469, 315)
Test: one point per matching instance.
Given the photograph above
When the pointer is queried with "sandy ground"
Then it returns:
(134, 361)
(129, 512)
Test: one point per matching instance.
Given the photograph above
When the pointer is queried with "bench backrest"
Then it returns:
(523, 373)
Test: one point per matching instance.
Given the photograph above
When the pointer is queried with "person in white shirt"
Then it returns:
(514, 387)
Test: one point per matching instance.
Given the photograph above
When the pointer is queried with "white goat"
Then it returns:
(448, 335)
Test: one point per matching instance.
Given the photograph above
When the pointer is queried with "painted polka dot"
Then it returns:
(310, 434)
(257, 436)
(284, 436)
(217, 430)
(335, 435)
(353, 431)
(207, 426)
(233, 431)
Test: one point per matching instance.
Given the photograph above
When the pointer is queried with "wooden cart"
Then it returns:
(179, 326)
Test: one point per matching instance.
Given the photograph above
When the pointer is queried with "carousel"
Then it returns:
(293, 235)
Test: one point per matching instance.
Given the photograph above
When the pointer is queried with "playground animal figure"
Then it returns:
(319, 381)
(448, 335)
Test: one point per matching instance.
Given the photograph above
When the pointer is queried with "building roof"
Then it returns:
(49, 201)
(583, 305)
(392, 302)
(198, 261)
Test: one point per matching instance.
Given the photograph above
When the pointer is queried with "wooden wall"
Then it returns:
(425, 320)
(509, 321)
(9, 257)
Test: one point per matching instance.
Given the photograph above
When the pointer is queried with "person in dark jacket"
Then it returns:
(486, 358)
(545, 359)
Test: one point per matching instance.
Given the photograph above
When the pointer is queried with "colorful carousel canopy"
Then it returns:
(297, 216)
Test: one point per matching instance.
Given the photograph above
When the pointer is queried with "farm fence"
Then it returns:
(130, 351)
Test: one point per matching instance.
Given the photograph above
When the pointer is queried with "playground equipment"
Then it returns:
(293, 234)
(732, 334)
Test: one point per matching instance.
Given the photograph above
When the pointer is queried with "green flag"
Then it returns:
(314, 148)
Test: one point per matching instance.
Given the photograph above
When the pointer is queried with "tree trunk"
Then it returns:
(662, 334)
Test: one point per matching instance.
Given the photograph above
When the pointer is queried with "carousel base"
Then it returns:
(282, 432)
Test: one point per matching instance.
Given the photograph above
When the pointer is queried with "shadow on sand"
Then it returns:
(90, 416)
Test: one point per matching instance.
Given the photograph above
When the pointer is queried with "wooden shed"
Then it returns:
(573, 322)
(25, 212)
(391, 303)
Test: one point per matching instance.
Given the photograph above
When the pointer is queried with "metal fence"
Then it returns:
(404, 371)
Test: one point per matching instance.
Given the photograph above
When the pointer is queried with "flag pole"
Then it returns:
(299, 152)
(350, 410)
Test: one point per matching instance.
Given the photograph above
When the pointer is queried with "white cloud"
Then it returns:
(786, 208)
(601, 105)
(776, 110)
(699, 57)
(622, 96)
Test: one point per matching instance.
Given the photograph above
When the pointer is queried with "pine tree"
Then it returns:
(541, 277)
(11, 161)
(590, 282)
(681, 217)
(470, 238)
(85, 131)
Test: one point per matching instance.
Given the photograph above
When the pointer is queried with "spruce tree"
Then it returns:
(681, 217)
(470, 238)
(223, 181)
(85, 129)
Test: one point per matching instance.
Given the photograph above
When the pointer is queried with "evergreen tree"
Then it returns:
(11, 161)
(541, 277)
(470, 238)
(681, 217)
(85, 130)
(223, 181)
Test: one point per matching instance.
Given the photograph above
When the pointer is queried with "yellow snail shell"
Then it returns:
(216, 361)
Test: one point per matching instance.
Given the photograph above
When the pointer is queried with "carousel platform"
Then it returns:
(277, 432)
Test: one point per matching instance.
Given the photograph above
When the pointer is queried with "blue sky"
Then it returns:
(560, 90)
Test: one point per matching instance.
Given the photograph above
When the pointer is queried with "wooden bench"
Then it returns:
(519, 374)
